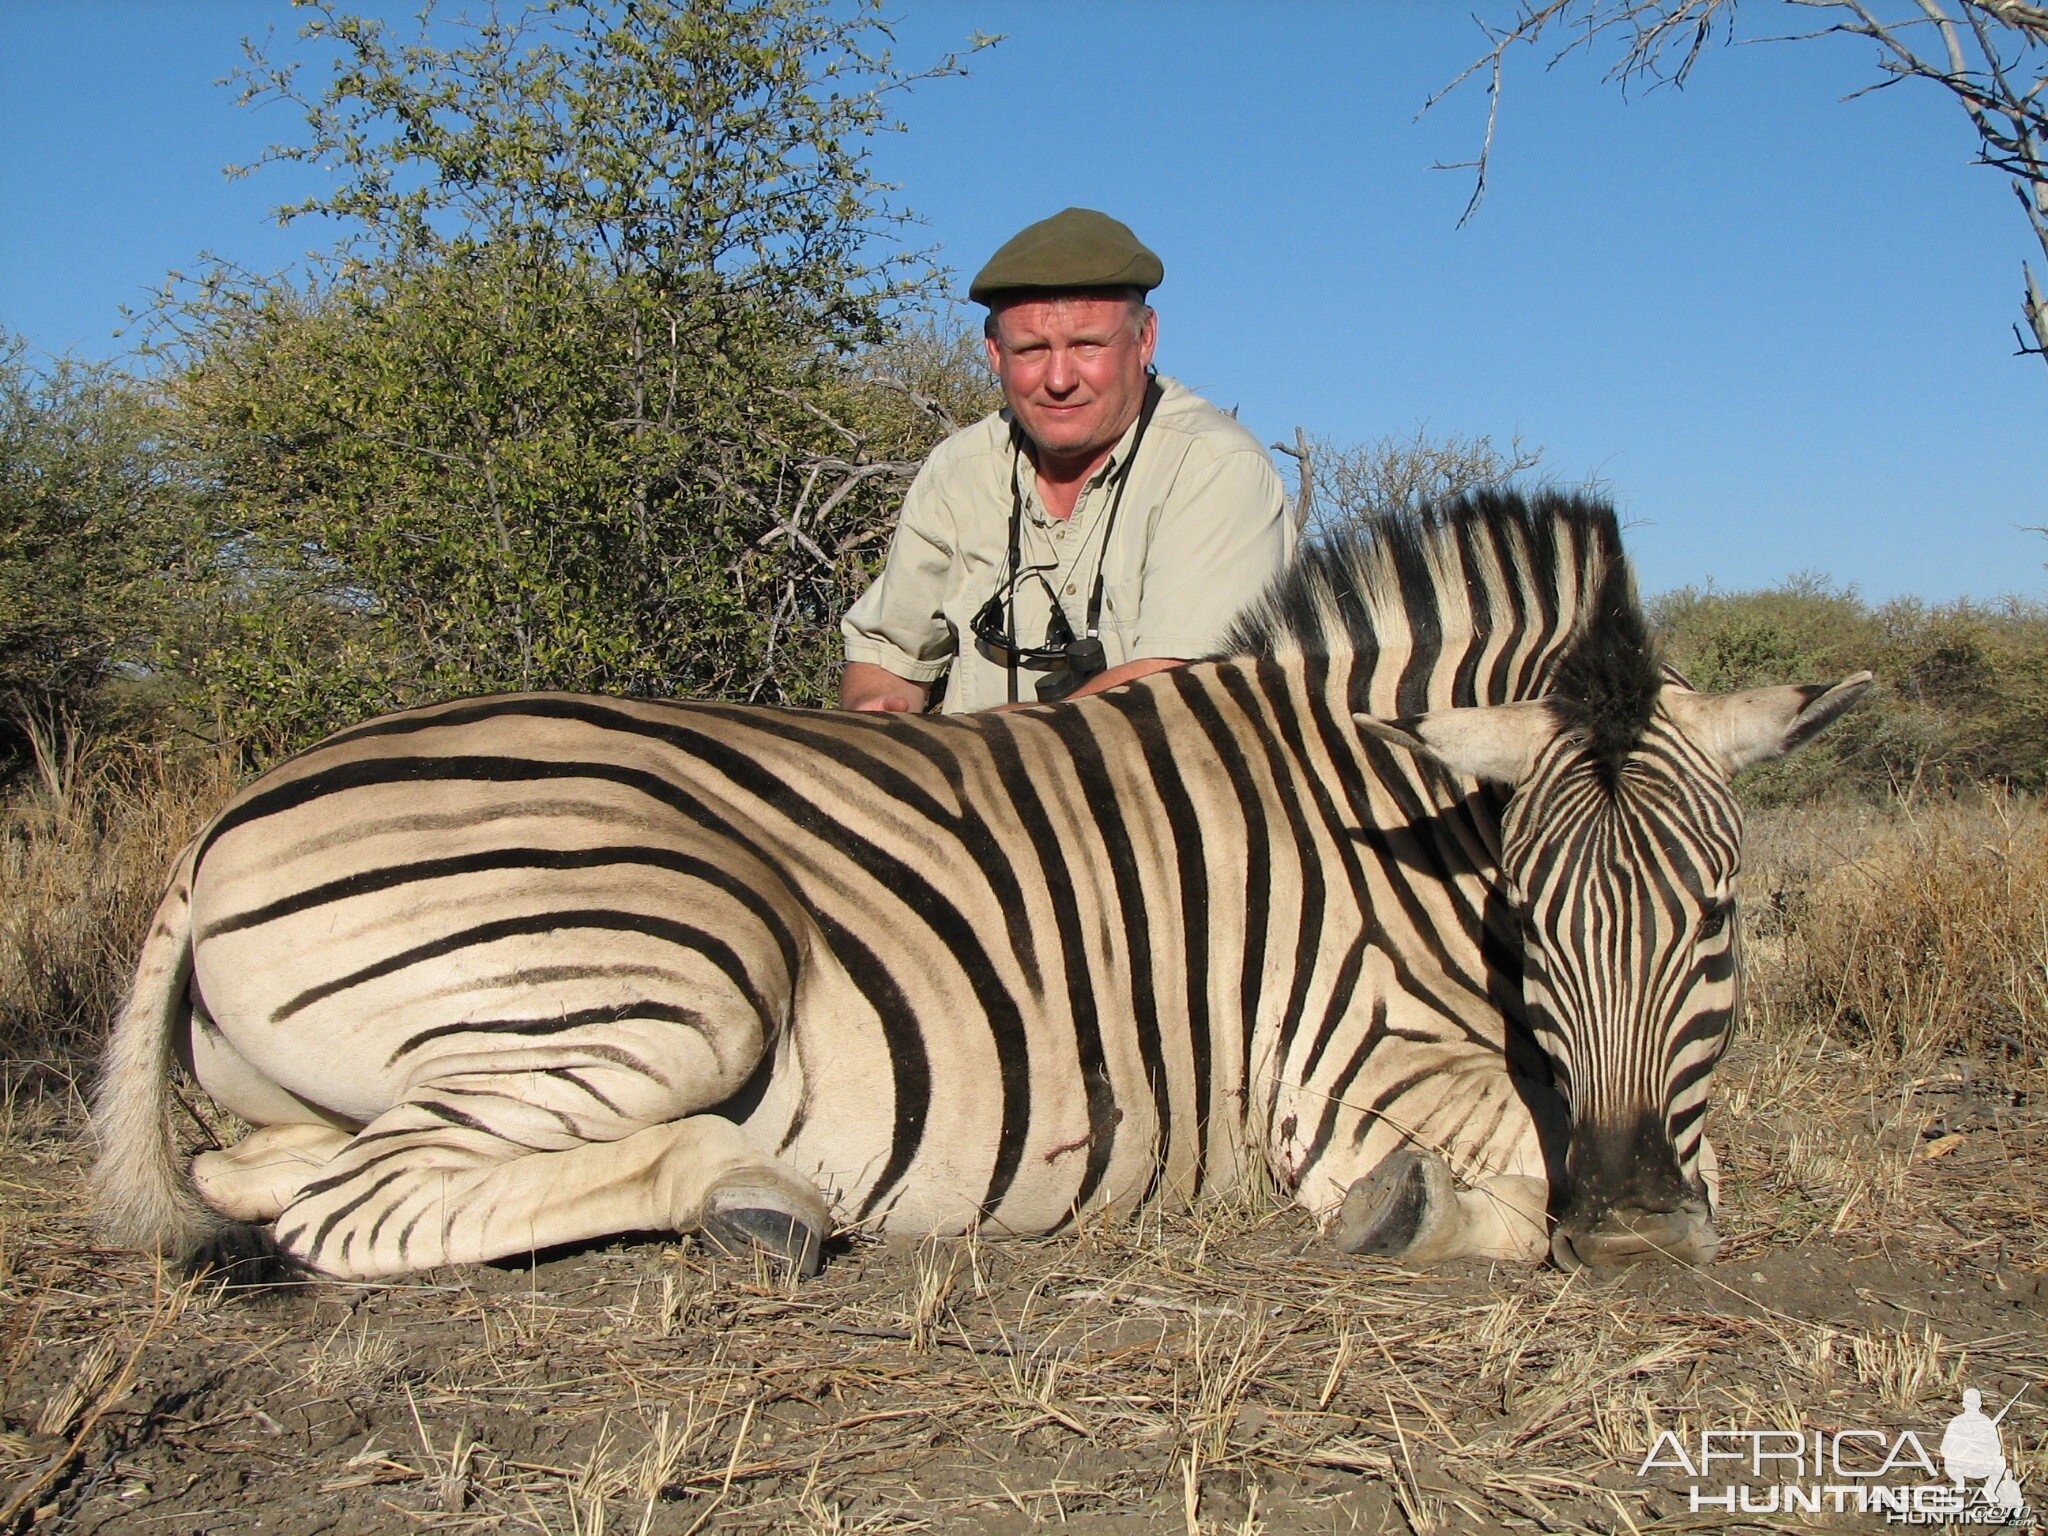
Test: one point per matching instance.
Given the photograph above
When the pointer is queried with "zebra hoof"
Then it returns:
(1391, 1212)
(741, 1224)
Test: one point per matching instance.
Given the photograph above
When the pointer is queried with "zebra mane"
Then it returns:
(1485, 598)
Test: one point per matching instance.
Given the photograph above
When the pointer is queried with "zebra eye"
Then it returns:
(1715, 919)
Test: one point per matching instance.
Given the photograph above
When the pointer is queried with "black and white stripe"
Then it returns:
(514, 971)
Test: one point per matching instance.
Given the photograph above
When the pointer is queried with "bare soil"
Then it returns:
(1219, 1371)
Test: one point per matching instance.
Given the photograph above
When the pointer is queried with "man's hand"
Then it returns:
(877, 690)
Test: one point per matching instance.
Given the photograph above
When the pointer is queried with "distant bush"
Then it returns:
(611, 381)
(1961, 697)
(93, 514)
(1350, 483)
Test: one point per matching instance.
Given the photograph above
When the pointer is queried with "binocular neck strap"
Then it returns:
(1153, 393)
(1016, 538)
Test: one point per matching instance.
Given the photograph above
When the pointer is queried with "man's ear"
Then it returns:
(1758, 724)
(1498, 742)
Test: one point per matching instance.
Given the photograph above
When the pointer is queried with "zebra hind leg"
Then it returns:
(1411, 1208)
(250, 1183)
(458, 1176)
(256, 1178)
(744, 1216)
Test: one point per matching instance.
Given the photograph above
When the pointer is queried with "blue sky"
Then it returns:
(1774, 324)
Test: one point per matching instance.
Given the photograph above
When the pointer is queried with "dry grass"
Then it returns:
(1197, 1374)
(83, 854)
(1927, 937)
(1897, 1020)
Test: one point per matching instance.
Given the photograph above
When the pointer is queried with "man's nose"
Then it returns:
(1060, 373)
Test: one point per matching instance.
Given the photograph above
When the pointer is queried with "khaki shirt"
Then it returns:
(1203, 529)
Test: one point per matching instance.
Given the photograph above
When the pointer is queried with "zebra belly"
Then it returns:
(914, 1152)
(944, 1192)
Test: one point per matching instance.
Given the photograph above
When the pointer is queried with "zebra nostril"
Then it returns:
(1683, 1234)
(1562, 1253)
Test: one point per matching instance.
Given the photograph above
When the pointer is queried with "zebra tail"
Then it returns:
(141, 1189)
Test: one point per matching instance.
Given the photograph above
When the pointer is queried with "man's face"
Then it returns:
(1072, 370)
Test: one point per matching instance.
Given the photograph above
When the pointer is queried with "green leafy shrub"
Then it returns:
(571, 409)
(93, 516)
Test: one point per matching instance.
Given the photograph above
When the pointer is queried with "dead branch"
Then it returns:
(1990, 56)
(921, 400)
(1303, 453)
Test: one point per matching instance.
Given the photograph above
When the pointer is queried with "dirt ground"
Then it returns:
(1214, 1372)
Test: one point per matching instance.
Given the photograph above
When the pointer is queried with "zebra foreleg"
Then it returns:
(256, 1178)
(416, 1189)
(1411, 1208)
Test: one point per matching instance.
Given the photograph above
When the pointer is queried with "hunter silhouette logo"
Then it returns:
(1971, 1452)
(1854, 1471)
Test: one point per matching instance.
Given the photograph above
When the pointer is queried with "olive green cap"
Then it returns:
(1076, 248)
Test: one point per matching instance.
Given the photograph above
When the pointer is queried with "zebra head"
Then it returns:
(1619, 849)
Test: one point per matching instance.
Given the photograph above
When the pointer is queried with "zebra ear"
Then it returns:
(1494, 741)
(1758, 724)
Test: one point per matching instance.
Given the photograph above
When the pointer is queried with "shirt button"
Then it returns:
(1070, 589)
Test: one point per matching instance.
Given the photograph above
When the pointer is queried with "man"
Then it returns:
(1107, 524)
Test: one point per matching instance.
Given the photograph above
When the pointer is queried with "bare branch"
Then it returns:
(1991, 56)
(1303, 453)
(901, 469)
(922, 401)
(2035, 308)
(813, 409)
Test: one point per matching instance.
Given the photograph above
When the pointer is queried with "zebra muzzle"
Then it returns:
(1632, 1234)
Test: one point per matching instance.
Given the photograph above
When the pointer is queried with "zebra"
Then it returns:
(1419, 895)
